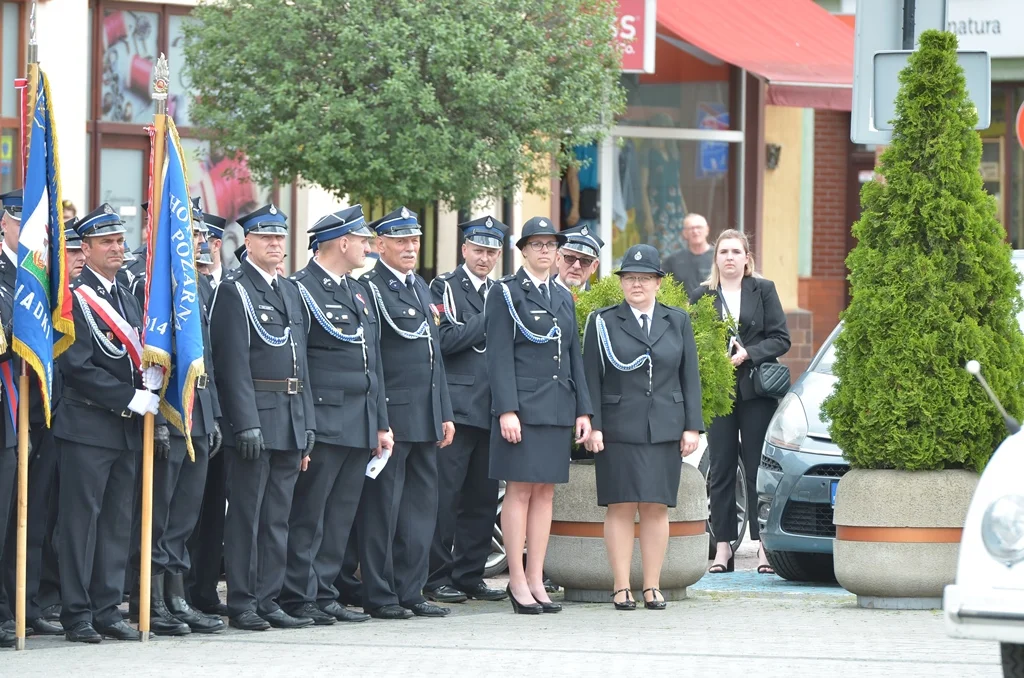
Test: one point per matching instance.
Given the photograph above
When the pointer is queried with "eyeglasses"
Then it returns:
(572, 260)
(538, 246)
(638, 279)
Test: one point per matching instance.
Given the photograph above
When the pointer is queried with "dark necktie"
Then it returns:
(545, 293)
(117, 300)
(645, 324)
(482, 290)
(410, 282)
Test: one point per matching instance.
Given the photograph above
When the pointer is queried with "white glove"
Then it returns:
(144, 402)
(153, 377)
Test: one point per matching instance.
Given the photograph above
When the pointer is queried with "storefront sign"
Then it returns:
(636, 29)
(994, 26)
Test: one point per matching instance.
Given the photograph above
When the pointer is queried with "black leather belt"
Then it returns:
(202, 381)
(74, 396)
(289, 386)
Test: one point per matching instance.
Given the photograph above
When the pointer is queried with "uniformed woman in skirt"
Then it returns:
(539, 396)
(641, 367)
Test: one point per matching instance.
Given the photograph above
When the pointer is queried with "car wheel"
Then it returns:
(497, 562)
(1013, 660)
(806, 567)
(741, 504)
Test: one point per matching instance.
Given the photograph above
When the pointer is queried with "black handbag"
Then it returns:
(771, 380)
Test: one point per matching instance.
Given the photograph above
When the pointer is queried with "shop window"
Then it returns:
(178, 100)
(659, 182)
(10, 52)
(130, 51)
(124, 187)
(12, 65)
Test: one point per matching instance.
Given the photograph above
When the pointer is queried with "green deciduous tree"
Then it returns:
(932, 287)
(408, 100)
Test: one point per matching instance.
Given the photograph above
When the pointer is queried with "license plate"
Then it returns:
(832, 492)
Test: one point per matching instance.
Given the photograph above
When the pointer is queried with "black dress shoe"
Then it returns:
(249, 621)
(45, 628)
(174, 596)
(483, 592)
(83, 632)
(215, 610)
(551, 607)
(445, 594)
(51, 612)
(119, 631)
(343, 614)
(280, 619)
(311, 611)
(7, 638)
(426, 609)
(390, 612)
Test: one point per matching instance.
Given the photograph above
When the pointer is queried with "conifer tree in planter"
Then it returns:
(932, 286)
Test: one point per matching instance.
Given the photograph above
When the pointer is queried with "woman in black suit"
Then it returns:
(758, 334)
(640, 361)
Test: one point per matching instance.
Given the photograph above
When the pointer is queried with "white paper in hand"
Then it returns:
(375, 465)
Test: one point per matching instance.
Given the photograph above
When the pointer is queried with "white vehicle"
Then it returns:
(987, 600)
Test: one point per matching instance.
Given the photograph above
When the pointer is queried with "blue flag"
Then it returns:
(173, 335)
(43, 326)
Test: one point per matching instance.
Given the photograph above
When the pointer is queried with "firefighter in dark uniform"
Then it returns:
(98, 427)
(42, 459)
(578, 259)
(539, 396)
(8, 466)
(258, 332)
(206, 545)
(398, 509)
(467, 497)
(348, 393)
(178, 482)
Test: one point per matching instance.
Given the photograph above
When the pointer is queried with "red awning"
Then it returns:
(805, 53)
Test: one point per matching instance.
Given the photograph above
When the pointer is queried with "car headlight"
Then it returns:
(1002, 529)
(788, 427)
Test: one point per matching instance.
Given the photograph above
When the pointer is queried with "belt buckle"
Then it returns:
(292, 386)
(202, 380)
(127, 414)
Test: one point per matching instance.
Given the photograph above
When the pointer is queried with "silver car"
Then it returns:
(798, 475)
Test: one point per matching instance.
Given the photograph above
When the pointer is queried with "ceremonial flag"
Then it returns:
(173, 335)
(43, 326)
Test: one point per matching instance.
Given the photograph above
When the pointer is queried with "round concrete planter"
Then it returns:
(898, 535)
(577, 559)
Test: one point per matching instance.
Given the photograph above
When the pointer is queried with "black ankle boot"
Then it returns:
(161, 621)
(182, 611)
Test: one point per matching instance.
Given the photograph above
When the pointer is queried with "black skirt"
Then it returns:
(627, 472)
(542, 456)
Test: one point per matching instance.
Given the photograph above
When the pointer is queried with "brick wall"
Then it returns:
(800, 324)
(824, 292)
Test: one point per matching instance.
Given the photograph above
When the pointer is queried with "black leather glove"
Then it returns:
(216, 440)
(249, 443)
(161, 442)
(310, 440)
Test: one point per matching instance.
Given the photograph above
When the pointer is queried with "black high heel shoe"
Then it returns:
(628, 604)
(519, 608)
(654, 603)
(718, 568)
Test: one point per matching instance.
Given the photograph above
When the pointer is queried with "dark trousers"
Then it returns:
(348, 586)
(49, 575)
(398, 512)
(466, 509)
(8, 497)
(749, 419)
(178, 485)
(206, 545)
(42, 470)
(94, 524)
(256, 527)
(323, 510)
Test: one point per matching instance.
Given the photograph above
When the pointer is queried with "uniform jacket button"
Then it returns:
(648, 394)
(555, 377)
(387, 400)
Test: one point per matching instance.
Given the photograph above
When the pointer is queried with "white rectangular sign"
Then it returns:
(994, 26)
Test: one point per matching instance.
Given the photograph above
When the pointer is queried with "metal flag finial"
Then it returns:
(161, 78)
(33, 45)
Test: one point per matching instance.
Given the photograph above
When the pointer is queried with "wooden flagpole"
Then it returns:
(160, 86)
(22, 536)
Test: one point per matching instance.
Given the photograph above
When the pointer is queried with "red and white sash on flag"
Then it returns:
(128, 335)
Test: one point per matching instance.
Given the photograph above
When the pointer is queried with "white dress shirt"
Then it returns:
(269, 277)
(649, 312)
(477, 281)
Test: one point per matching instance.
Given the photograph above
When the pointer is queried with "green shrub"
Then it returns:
(716, 372)
(932, 287)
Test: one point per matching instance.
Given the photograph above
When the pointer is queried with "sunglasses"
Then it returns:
(572, 260)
